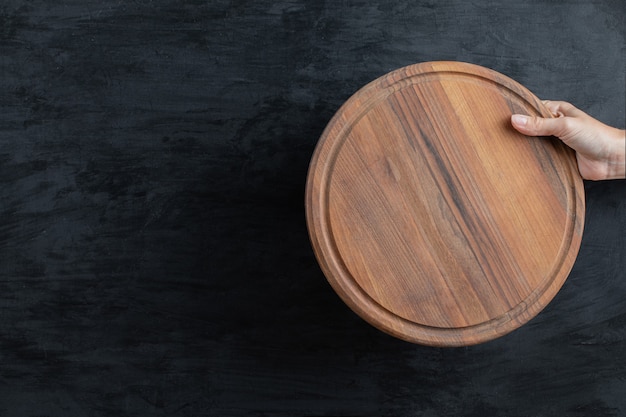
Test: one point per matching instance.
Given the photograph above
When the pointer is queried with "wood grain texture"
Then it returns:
(154, 256)
(431, 217)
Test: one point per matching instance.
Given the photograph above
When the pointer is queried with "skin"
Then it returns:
(600, 149)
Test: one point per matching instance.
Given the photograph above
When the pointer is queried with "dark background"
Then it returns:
(154, 258)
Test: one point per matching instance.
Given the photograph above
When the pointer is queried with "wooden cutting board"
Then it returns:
(431, 217)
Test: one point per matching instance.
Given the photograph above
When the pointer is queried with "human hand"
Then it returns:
(600, 149)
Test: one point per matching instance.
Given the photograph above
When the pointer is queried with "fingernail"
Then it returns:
(519, 119)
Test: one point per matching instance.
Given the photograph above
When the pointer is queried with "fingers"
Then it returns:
(539, 126)
(598, 155)
(563, 108)
(567, 120)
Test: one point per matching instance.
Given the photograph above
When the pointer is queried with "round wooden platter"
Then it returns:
(431, 217)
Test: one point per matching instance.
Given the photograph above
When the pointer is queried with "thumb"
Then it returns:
(538, 126)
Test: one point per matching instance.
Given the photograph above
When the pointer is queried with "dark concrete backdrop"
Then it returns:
(154, 259)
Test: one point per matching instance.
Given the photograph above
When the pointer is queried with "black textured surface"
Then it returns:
(154, 258)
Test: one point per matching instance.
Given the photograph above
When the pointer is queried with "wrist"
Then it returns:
(616, 161)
